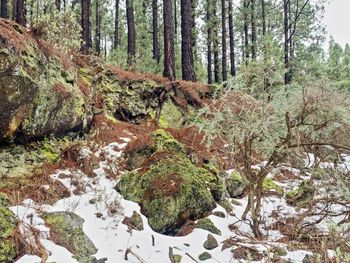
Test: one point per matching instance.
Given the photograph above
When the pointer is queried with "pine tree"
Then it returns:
(3, 6)
(131, 32)
(116, 25)
(20, 12)
(232, 40)
(209, 41)
(169, 33)
(187, 41)
(85, 24)
(155, 36)
(224, 43)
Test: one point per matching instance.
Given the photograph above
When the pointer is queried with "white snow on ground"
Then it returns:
(112, 238)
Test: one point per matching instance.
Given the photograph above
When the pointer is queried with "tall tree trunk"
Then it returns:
(263, 17)
(155, 36)
(292, 27)
(131, 32)
(175, 20)
(116, 25)
(209, 41)
(287, 79)
(21, 12)
(85, 24)
(97, 29)
(246, 29)
(3, 7)
(216, 44)
(14, 7)
(58, 4)
(232, 40)
(224, 40)
(253, 21)
(169, 32)
(194, 4)
(187, 41)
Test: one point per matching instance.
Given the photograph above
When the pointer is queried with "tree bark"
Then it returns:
(20, 12)
(253, 22)
(3, 7)
(155, 37)
(224, 40)
(287, 79)
(97, 29)
(131, 32)
(216, 44)
(85, 24)
(232, 40)
(187, 41)
(58, 4)
(116, 25)
(246, 29)
(14, 6)
(169, 32)
(209, 42)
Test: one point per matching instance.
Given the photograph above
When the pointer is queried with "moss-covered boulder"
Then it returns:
(38, 91)
(235, 184)
(8, 248)
(208, 225)
(171, 191)
(302, 194)
(66, 229)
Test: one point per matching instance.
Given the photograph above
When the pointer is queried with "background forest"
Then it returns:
(219, 38)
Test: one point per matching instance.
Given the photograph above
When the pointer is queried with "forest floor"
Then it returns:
(291, 234)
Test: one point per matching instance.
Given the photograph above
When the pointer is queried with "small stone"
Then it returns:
(204, 256)
(280, 251)
(210, 243)
(308, 259)
(99, 215)
(92, 201)
(134, 222)
(177, 258)
(219, 214)
(208, 225)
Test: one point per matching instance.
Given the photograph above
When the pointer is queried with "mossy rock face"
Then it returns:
(302, 194)
(66, 229)
(171, 191)
(270, 185)
(235, 184)
(8, 250)
(128, 99)
(38, 92)
(158, 141)
(207, 224)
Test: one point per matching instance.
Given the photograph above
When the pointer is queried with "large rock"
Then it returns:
(170, 188)
(38, 91)
(66, 229)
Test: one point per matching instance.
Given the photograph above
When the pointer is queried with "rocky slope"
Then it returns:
(88, 175)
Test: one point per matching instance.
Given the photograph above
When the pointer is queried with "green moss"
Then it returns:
(302, 194)
(4, 201)
(8, 249)
(170, 116)
(50, 151)
(66, 230)
(208, 225)
(270, 185)
(226, 205)
(170, 192)
(165, 142)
